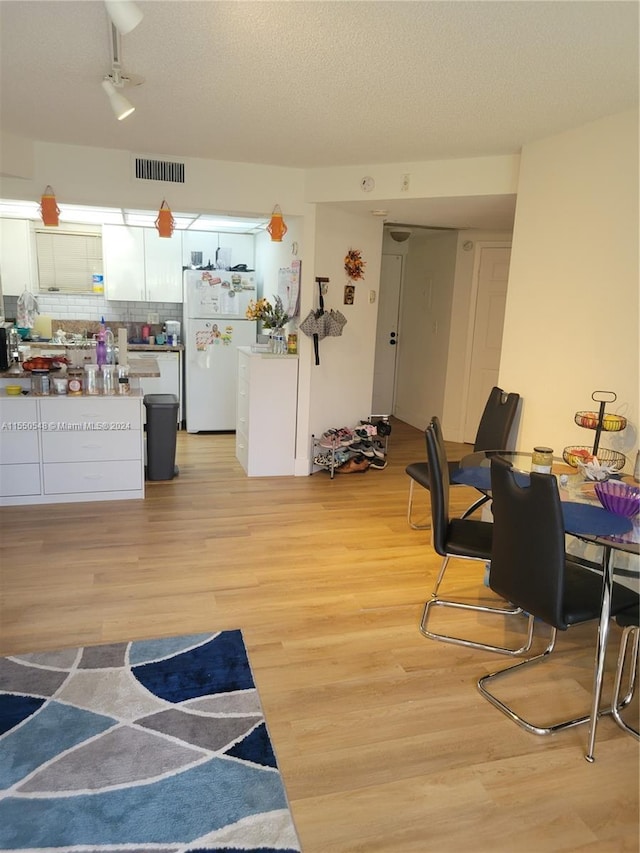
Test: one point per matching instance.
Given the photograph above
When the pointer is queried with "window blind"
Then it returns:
(67, 260)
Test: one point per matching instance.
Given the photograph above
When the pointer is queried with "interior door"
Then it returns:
(384, 371)
(493, 274)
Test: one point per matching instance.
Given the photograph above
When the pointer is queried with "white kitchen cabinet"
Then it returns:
(170, 379)
(70, 449)
(141, 266)
(162, 266)
(208, 242)
(123, 260)
(18, 266)
(266, 413)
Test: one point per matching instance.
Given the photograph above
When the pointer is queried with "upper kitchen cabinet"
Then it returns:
(141, 266)
(123, 260)
(163, 266)
(18, 271)
(199, 248)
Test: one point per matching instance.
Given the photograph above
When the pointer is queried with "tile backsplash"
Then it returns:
(90, 307)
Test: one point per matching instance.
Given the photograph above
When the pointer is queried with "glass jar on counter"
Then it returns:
(542, 460)
(123, 379)
(75, 375)
(40, 384)
(91, 380)
(108, 379)
(59, 384)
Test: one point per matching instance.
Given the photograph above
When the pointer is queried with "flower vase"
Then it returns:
(277, 341)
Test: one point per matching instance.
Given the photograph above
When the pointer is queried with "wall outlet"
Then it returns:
(404, 186)
(372, 296)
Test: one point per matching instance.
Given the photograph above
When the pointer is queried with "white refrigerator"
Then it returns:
(215, 302)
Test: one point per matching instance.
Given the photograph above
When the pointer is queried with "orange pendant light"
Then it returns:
(165, 222)
(49, 209)
(276, 227)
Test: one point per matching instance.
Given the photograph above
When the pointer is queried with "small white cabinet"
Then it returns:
(266, 413)
(18, 268)
(141, 266)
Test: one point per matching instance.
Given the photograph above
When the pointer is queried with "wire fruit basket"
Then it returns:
(576, 456)
(610, 423)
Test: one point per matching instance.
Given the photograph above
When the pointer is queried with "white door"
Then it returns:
(384, 372)
(493, 274)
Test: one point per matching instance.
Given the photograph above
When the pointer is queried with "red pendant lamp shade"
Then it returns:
(49, 209)
(276, 227)
(165, 222)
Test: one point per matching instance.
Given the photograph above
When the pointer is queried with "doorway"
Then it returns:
(384, 371)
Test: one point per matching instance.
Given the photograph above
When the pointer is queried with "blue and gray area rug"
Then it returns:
(145, 747)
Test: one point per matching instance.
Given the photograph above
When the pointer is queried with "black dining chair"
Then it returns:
(629, 621)
(493, 434)
(530, 567)
(466, 539)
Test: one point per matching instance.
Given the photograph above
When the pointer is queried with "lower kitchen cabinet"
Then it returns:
(70, 449)
(266, 413)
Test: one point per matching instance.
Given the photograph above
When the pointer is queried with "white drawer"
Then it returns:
(83, 410)
(243, 402)
(16, 409)
(69, 477)
(18, 445)
(91, 446)
(19, 480)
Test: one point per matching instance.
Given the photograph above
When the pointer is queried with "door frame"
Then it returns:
(471, 319)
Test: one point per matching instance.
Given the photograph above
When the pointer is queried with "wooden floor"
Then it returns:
(383, 740)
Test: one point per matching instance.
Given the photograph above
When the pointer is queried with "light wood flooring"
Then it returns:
(383, 740)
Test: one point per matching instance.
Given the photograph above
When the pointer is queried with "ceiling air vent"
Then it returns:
(159, 170)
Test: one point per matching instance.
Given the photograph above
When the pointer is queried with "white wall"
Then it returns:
(571, 324)
(341, 385)
(102, 176)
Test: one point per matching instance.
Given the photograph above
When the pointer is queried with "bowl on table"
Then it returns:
(13, 390)
(619, 498)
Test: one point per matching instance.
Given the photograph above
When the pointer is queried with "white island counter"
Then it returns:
(65, 449)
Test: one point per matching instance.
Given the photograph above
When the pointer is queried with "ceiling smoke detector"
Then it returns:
(400, 235)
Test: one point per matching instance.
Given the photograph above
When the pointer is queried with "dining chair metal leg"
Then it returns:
(474, 644)
(412, 524)
(483, 499)
(533, 728)
(630, 633)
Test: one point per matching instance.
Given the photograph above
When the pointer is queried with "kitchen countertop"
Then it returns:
(130, 347)
(139, 368)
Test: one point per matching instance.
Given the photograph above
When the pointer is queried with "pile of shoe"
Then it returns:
(349, 451)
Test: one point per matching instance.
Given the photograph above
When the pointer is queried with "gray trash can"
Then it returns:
(162, 427)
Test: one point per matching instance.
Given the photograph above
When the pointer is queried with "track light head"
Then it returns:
(119, 104)
(125, 15)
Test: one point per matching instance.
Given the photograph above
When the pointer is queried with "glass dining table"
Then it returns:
(584, 518)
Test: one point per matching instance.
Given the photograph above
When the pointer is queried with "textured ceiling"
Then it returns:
(306, 84)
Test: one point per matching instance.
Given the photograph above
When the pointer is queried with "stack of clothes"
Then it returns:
(350, 451)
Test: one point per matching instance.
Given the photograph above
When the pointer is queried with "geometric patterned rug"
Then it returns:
(154, 746)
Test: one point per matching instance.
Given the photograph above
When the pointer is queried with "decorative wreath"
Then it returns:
(354, 265)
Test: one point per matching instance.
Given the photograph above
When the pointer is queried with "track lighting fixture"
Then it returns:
(111, 83)
(119, 104)
(124, 14)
